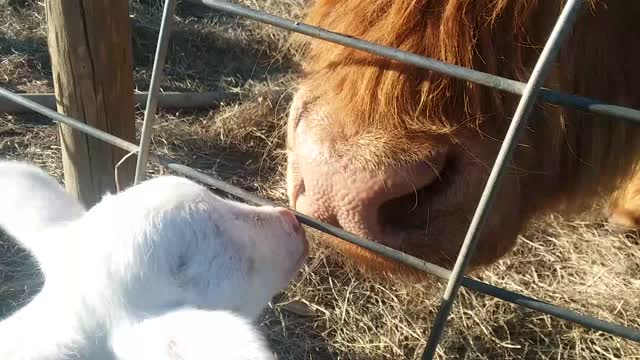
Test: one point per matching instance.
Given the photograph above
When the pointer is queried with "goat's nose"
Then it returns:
(290, 220)
(354, 199)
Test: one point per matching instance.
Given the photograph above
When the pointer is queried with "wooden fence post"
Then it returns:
(91, 58)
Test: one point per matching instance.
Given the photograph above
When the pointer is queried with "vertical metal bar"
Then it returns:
(154, 88)
(558, 35)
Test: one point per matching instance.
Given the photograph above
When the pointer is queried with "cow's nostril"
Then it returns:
(412, 209)
(401, 212)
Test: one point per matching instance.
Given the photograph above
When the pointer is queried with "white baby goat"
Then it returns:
(162, 270)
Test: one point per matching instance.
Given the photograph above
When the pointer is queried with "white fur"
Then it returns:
(189, 334)
(165, 263)
(31, 202)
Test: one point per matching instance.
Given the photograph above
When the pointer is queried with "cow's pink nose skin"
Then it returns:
(334, 192)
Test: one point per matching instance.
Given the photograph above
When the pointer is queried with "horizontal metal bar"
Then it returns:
(78, 125)
(551, 48)
(165, 100)
(458, 72)
(483, 288)
(553, 310)
(309, 221)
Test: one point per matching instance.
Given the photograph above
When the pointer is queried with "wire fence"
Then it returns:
(530, 92)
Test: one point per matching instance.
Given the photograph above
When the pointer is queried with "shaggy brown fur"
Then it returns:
(396, 114)
(623, 210)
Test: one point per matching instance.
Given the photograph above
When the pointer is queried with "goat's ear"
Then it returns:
(191, 334)
(33, 201)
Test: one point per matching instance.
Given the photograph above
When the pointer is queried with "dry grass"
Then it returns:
(331, 311)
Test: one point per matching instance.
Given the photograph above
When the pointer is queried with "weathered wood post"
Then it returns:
(92, 63)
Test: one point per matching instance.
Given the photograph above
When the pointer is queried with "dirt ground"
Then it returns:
(330, 311)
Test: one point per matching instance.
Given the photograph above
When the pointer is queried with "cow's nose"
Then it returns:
(351, 198)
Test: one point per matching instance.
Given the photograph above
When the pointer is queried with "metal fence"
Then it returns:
(529, 92)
